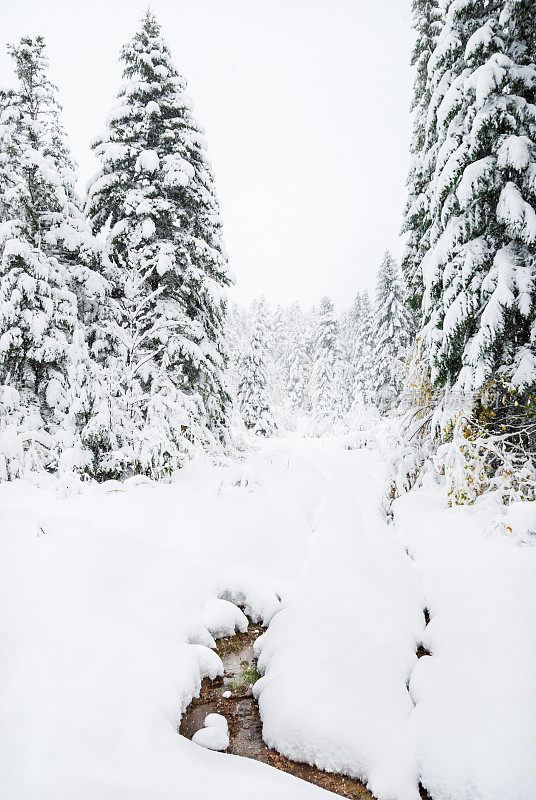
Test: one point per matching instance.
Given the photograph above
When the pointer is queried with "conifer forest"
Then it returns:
(268, 532)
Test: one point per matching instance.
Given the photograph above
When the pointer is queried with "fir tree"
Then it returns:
(350, 345)
(417, 222)
(393, 332)
(47, 250)
(358, 337)
(155, 199)
(363, 356)
(478, 275)
(237, 336)
(327, 377)
(278, 343)
(298, 363)
(254, 394)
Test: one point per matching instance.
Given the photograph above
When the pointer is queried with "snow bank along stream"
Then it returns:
(231, 696)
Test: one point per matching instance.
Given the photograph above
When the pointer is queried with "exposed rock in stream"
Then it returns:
(422, 651)
(242, 714)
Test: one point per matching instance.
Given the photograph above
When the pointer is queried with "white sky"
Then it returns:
(305, 104)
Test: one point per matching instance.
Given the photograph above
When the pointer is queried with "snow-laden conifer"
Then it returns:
(47, 281)
(279, 342)
(298, 364)
(254, 391)
(358, 346)
(154, 198)
(392, 332)
(327, 391)
(350, 322)
(479, 272)
(363, 354)
(417, 221)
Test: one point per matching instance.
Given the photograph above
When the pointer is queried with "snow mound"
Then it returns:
(223, 618)
(147, 161)
(215, 734)
(337, 658)
(259, 601)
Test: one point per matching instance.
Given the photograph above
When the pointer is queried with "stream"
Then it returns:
(242, 714)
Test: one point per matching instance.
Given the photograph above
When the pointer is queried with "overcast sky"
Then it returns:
(305, 104)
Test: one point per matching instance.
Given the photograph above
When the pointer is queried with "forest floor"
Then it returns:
(383, 659)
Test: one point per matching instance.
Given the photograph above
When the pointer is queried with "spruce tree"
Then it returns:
(47, 250)
(358, 346)
(327, 378)
(237, 337)
(154, 197)
(392, 334)
(254, 395)
(363, 358)
(478, 275)
(279, 344)
(298, 369)
(350, 327)
(417, 221)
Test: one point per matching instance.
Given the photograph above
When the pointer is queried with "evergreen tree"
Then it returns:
(363, 364)
(237, 333)
(358, 338)
(278, 343)
(47, 250)
(479, 273)
(351, 345)
(10, 159)
(254, 394)
(155, 199)
(298, 363)
(417, 221)
(327, 377)
(393, 331)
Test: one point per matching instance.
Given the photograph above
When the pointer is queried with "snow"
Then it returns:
(215, 733)
(488, 77)
(178, 171)
(102, 633)
(164, 263)
(147, 161)
(54, 392)
(515, 152)
(223, 618)
(15, 247)
(515, 212)
(148, 228)
(474, 176)
(524, 367)
(111, 600)
(480, 39)
(475, 714)
(152, 109)
(337, 658)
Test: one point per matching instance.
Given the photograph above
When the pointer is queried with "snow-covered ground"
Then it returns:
(109, 602)
(339, 654)
(475, 717)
